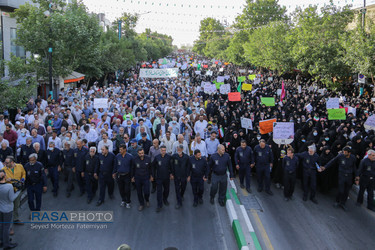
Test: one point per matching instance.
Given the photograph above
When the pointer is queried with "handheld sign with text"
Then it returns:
(370, 123)
(234, 96)
(101, 103)
(266, 126)
(252, 77)
(333, 103)
(283, 132)
(241, 78)
(158, 73)
(268, 101)
(225, 89)
(336, 114)
(247, 87)
(246, 123)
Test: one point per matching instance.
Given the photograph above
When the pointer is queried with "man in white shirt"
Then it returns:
(200, 126)
(167, 141)
(105, 142)
(180, 141)
(89, 134)
(56, 140)
(198, 143)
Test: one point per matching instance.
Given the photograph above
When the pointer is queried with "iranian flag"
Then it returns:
(221, 133)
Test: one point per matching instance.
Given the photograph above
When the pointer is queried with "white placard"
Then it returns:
(352, 110)
(209, 73)
(333, 103)
(321, 91)
(158, 73)
(299, 89)
(179, 65)
(221, 69)
(257, 81)
(209, 88)
(283, 132)
(246, 123)
(204, 83)
(370, 123)
(197, 72)
(224, 89)
(361, 78)
(100, 103)
(278, 92)
(242, 70)
(309, 108)
(184, 66)
(226, 77)
(220, 79)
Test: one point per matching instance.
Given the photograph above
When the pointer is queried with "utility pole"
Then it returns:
(50, 53)
(363, 14)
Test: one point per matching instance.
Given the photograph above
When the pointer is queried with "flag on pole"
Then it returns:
(221, 133)
(282, 92)
(239, 87)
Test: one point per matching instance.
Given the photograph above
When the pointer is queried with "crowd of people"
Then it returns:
(157, 130)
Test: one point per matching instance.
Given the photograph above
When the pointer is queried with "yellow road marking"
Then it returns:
(263, 232)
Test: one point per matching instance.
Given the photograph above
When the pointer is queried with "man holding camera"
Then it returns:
(7, 197)
(15, 174)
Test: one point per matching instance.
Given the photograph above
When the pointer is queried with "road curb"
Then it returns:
(242, 228)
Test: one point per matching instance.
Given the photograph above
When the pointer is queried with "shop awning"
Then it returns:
(74, 77)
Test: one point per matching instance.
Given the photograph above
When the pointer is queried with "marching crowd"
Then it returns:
(156, 130)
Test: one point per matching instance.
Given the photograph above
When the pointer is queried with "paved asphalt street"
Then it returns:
(204, 227)
(304, 225)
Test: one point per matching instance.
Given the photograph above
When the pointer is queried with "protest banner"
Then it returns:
(209, 88)
(209, 73)
(220, 79)
(333, 103)
(370, 123)
(278, 92)
(268, 101)
(158, 73)
(257, 81)
(266, 126)
(241, 78)
(234, 96)
(218, 84)
(225, 89)
(283, 132)
(336, 114)
(198, 72)
(247, 87)
(252, 77)
(246, 123)
(100, 103)
(352, 110)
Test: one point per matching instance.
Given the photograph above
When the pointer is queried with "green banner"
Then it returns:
(336, 114)
(268, 101)
(252, 77)
(218, 84)
(241, 78)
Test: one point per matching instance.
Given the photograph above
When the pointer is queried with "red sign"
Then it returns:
(234, 96)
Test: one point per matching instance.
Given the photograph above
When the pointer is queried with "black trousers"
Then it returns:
(345, 184)
(309, 183)
(6, 222)
(180, 187)
(219, 182)
(197, 184)
(105, 181)
(124, 186)
(143, 189)
(366, 183)
(162, 189)
(289, 183)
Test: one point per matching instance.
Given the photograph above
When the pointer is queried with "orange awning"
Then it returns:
(74, 77)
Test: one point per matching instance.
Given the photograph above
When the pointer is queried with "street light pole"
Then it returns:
(50, 54)
(363, 14)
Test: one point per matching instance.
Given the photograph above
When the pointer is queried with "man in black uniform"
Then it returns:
(290, 165)
(263, 158)
(68, 157)
(105, 170)
(89, 168)
(145, 143)
(198, 173)
(79, 160)
(366, 179)
(161, 171)
(121, 172)
(36, 182)
(347, 167)
(219, 163)
(309, 162)
(53, 165)
(141, 175)
(180, 168)
(244, 159)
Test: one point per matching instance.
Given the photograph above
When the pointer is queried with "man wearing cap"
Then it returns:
(197, 175)
(145, 143)
(366, 180)
(133, 149)
(310, 166)
(161, 172)
(219, 163)
(54, 166)
(263, 158)
(347, 168)
(36, 182)
(244, 160)
(180, 172)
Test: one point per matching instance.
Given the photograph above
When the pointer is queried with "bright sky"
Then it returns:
(181, 18)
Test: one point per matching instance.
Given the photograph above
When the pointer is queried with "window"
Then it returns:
(16, 50)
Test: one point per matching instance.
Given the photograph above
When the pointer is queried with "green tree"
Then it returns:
(316, 46)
